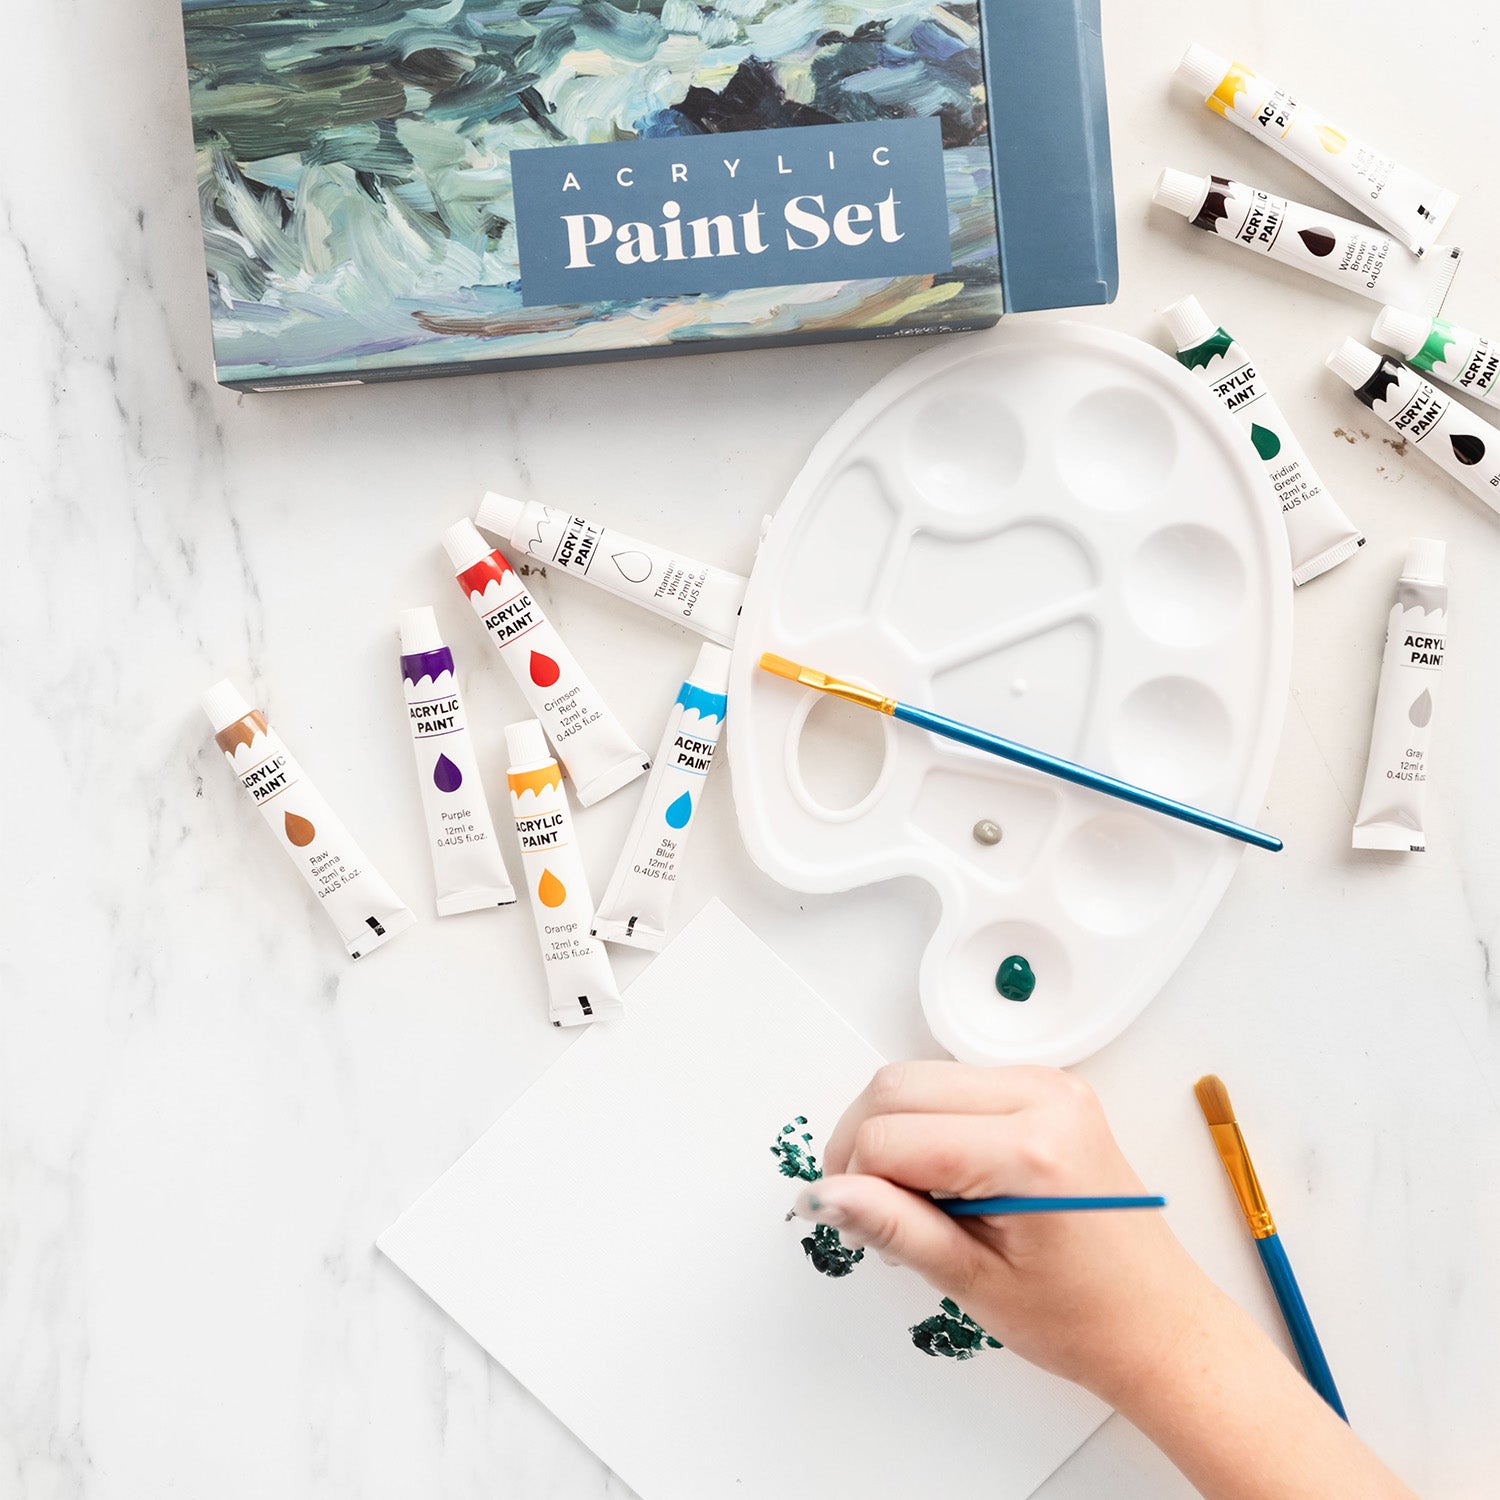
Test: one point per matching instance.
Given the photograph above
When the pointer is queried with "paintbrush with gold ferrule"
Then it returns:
(1213, 1100)
(1021, 755)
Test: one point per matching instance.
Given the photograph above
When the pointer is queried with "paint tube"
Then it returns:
(580, 985)
(638, 899)
(1338, 250)
(695, 594)
(467, 868)
(366, 911)
(1411, 206)
(1319, 533)
(1390, 807)
(1457, 356)
(595, 751)
(1444, 429)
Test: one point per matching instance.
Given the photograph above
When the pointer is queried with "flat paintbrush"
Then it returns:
(1022, 755)
(1213, 1100)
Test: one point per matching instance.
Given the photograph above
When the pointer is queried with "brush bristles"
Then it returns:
(1213, 1100)
(781, 666)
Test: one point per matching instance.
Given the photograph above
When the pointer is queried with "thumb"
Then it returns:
(900, 1225)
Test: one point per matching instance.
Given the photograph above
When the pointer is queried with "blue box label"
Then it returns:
(713, 213)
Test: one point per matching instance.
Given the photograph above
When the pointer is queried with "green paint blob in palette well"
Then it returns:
(951, 1334)
(1015, 978)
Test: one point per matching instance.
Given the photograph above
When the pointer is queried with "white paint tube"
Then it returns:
(1349, 255)
(595, 751)
(1457, 356)
(580, 984)
(638, 900)
(467, 868)
(1411, 206)
(1390, 812)
(1319, 533)
(359, 903)
(696, 594)
(1452, 436)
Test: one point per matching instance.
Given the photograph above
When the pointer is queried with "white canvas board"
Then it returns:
(617, 1241)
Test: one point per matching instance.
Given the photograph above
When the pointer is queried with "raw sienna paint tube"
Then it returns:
(1457, 356)
(1411, 206)
(580, 984)
(595, 751)
(1338, 250)
(1444, 429)
(467, 868)
(1390, 807)
(695, 594)
(1319, 533)
(366, 911)
(637, 901)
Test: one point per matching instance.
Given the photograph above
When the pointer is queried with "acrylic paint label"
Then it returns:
(722, 211)
(1444, 430)
(1467, 361)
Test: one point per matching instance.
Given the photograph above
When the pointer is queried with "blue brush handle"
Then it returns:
(1298, 1322)
(1067, 770)
(973, 1208)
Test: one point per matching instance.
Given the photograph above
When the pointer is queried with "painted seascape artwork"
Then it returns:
(354, 163)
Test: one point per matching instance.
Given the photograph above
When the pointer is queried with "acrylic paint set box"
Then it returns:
(393, 190)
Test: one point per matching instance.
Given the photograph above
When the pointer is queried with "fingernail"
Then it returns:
(815, 1205)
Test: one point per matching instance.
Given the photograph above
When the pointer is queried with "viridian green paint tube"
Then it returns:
(1457, 356)
(1319, 534)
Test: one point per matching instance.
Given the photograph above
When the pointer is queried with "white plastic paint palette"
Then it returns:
(1055, 534)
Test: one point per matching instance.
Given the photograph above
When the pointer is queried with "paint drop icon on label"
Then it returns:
(680, 811)
(550, 891)
(299, 830)
(636, 566)
(544, 671)
(1267, 444)
(1467, 448)
(1420, 713)
(1318, 241)
(446, 777)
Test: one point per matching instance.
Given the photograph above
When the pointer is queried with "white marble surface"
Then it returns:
(206, 1113)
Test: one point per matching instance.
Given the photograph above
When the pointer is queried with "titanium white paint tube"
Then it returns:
(467, 868)
(1411, 206)
(1349, 255)
(580, 984)
(1390, 812)
(1457, 356)
(595, 751)
(638, 900)
(1445, 430)
(359, 903)
(695, 594)
(1319, 533)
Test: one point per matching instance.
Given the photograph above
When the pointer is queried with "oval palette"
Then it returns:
(1053, 533)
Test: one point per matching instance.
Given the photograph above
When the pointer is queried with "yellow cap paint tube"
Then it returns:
(359, 903)
(1335, 249)
(580, 984)
(638, 900)
(1452, 436)
(1319, 534)
(467, 868)
(1390, 812)
(1457, 356)
(1411, 206)
(696, 594)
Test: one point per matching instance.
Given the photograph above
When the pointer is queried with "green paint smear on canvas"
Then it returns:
(792, 1149)
(828, 1253)
(793, 1152)
(951, 1334)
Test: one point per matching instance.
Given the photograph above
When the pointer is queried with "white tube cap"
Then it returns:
(465, 545)
(1402, 331)
(499, 515)
(526, 744)
(1182, 192)
(419, 630)
(1203, 69)
(225, 704)
(711, 670)
(1424, 560)
(1187, 324)
(1353, 362)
